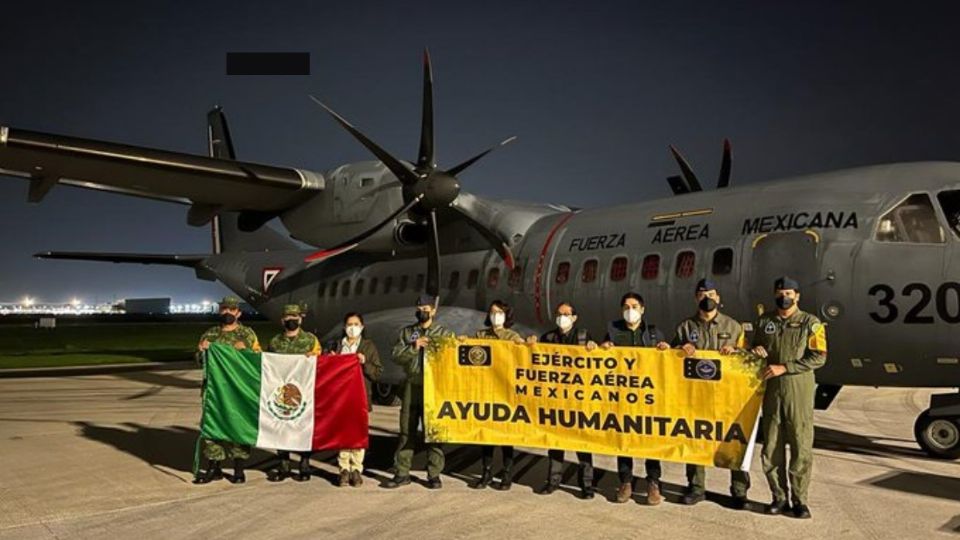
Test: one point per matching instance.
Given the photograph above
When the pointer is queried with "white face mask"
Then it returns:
(497, 319)
(632, 315)
(564, 322)
(353, 330)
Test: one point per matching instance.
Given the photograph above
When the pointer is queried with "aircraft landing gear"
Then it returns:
(938, 428)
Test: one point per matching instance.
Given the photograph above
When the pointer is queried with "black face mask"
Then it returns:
(784, 302)
(707, 304)
(422, 316)
(291, 324)
(228, 318)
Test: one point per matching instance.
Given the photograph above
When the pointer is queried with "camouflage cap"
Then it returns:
(231, 302)
(293, 310)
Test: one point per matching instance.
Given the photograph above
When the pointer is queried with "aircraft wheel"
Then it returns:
(939, 436)
(386, 394)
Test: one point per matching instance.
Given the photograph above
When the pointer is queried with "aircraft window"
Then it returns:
(366, 182)
(618, 269)
(472, 278)
(373, 286)
(589, 274)
(493, 278)
(333, 289)
(404, 281)
(950, 204)
(686, 261)
(388, 285)
(419, 283)
(321, 288)
(722, 261)
(913, 220)
(358, 289)
(651, 267)
(516, 277)
(454, 280)
(345, 289)
(563, 273)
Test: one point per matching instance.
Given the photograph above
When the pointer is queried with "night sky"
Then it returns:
(594, 91)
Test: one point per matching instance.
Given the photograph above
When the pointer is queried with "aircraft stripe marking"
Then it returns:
(538, 275)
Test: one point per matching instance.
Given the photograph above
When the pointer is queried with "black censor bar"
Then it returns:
(268, 63)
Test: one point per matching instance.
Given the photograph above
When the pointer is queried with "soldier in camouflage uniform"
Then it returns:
(231, 332)
(794, 344)
(710, 330)
(408, 353)
(293, 340)
(498, 323)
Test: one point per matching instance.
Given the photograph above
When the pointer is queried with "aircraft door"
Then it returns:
(898, 272)
(777, 254)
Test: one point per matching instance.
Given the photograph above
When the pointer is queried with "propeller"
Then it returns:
(691, 178)
(426, 189)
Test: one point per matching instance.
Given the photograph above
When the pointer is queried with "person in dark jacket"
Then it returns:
(567, 333)
(352, 341)
(497, 326)
(633, 331)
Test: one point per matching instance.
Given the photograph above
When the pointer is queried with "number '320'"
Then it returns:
(947, 303)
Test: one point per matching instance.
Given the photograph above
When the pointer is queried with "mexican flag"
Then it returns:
(284, 401)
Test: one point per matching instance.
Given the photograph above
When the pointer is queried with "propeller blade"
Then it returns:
(405, 175)
(496, 242)
(724, 179)
(459, 168)
(353, 242)
(427, 159)
(686, 170)
(433, 257)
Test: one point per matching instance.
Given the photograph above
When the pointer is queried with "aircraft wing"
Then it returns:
(189, 261)
(209, 184)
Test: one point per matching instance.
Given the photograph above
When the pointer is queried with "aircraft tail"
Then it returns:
(228, 230)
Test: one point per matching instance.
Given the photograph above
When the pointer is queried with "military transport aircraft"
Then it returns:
(876, 249)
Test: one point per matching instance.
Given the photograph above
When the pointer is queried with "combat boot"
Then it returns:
(506, 480)
(212, 472)
(238, 476)
(304, 474)
(485, 479)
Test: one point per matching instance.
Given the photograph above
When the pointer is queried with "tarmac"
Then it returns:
(108, 455)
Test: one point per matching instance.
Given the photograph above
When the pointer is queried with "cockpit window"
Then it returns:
(950, 203)
(913, 221)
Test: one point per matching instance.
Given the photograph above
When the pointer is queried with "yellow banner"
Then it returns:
(627, 401)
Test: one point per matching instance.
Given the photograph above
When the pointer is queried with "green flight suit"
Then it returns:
(411, 406)
(221, 450)
(799, 343)
(712, 335)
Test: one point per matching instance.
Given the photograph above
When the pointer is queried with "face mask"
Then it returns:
(784, 302)
(291, 324)
(497, 319)
(707, 304)
(422, 316)
(632, 316)
(354, 331)
(564, 322)
(228, 318)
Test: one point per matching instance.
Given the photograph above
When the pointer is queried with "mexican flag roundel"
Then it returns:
(284, 401)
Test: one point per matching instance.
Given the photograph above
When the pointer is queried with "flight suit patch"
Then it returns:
(770, 328)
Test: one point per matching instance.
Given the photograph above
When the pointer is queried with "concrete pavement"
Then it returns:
(110, 455)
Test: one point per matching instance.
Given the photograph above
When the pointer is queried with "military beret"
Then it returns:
(231, 302)
(784, 283)
(706, 285)
(293, 309)
(426, 300)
